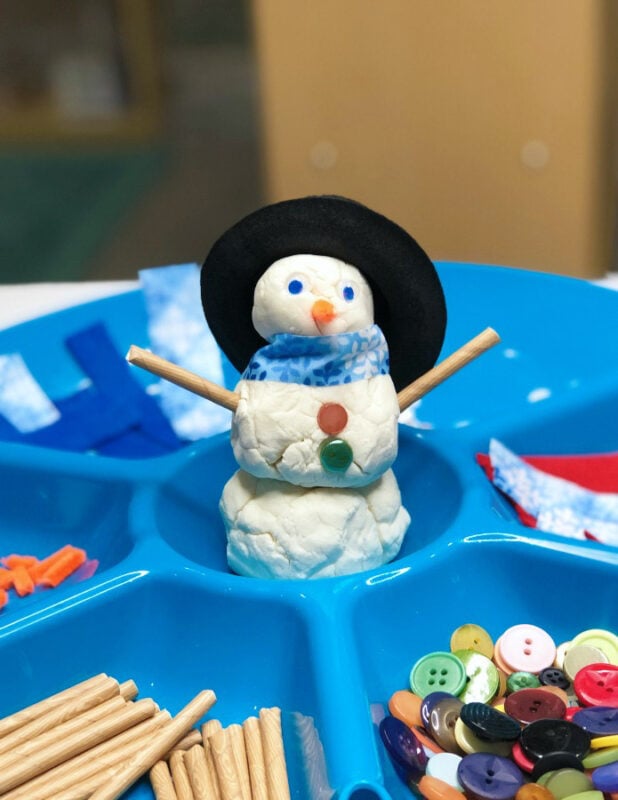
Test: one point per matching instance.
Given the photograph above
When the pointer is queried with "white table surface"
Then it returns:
(20, 302)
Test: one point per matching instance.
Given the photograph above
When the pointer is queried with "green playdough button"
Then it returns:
(438, 672)
(335, 454)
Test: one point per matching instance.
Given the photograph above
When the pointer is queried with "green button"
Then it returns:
(605, 641)
(335, 454)
(438, 672)
(599, 758)
(565, 782)
(482, 677)
(522, 680)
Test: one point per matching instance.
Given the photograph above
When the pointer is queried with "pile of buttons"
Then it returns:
(518, 719)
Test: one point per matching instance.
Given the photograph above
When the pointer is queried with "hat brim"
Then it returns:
(408, 298)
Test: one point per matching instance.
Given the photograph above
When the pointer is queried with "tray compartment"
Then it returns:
(492, 580)
(188, 519)
(173, 636)
(41, 510)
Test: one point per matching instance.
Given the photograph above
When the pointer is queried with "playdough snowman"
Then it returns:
(327, 309)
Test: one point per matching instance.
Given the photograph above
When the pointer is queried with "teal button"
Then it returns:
(438, 672)
(335, 454)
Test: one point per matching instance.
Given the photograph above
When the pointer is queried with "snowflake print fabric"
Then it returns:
(321, 360)
(558, 505)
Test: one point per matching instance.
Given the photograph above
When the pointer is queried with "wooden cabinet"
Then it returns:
(485, 128)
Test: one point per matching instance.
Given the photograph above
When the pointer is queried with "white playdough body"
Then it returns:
(275, 432)
(278, 530)
(286, 514)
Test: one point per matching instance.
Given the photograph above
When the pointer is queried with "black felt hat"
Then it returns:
(408, 298)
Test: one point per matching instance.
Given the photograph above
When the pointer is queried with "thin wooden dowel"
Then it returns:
(36, 710)
(180, 776)
(225, 765)
(453, 363)
(187, 742)
(157, 747)
(82, 722)
(182, 377)
(39, 761)
(84, 766)
(199, 774)
(161, 782)
(274, 755)
(237, 742)
(255, 758)
(128, 690)
(208, 728)
(91, 697)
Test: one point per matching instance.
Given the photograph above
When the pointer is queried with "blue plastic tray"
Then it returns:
(164, 610)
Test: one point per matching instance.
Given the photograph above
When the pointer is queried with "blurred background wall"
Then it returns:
(133, 132)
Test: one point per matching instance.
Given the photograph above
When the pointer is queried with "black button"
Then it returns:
(554, 735)
(552, 761)
(552, 676)
(488, 723)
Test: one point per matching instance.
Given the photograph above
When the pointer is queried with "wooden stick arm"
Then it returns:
(182, 377)
(471, 350)
(224, 397)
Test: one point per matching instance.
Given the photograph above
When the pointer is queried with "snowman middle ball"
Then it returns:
(317, 405)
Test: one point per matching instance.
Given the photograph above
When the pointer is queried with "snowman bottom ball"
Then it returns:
(278, 530)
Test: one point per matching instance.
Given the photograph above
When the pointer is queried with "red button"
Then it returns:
(521, 759)
(528, 705)
(332, 418)
(597, 685)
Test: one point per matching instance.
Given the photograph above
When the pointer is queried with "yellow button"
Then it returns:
(472, 637)
(561, 652)
(599, 742)
(471, 743)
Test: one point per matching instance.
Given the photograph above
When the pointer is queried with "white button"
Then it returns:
(444, 766)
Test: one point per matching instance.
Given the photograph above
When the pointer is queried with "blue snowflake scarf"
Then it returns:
(321, 360)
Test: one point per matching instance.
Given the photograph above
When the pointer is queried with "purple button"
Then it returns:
(489, 777)
(605, 779)
(405, 750)
(598, 720)
(428, 703)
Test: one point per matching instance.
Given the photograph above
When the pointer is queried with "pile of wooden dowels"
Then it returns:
(94, 740)
(239, 762)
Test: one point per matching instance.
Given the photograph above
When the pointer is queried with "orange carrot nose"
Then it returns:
(323, 311)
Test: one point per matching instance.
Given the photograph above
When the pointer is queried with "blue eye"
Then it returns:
(348, 293)
(295, 286)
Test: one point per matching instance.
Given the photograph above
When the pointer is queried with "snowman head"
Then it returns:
(407, 297)
(311, 295)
